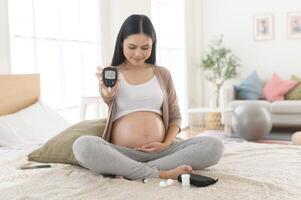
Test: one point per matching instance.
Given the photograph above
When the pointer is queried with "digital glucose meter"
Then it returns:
(110, 76)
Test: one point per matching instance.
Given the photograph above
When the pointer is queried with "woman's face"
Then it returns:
(137, 48)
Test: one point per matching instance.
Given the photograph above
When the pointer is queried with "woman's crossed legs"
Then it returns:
(102, 157)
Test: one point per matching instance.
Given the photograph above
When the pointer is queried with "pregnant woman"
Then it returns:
(144, 117)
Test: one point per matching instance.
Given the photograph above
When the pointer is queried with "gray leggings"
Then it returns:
(102, 157)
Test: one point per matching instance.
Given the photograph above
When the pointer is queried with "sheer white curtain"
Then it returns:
(4, 39)
(60, 40)
(168, 17)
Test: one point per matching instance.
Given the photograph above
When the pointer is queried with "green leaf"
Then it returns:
(219, 63)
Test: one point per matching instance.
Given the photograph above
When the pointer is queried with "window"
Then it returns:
(168, 17)
(59, 40)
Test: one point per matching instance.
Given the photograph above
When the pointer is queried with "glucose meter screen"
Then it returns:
(110, 74)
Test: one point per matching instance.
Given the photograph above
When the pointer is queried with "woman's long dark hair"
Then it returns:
(134, 24)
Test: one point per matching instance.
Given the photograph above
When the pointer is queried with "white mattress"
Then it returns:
(246, 171)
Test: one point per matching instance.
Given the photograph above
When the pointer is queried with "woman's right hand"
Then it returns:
(102, 88)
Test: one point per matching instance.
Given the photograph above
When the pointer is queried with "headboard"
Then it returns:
(18, 91)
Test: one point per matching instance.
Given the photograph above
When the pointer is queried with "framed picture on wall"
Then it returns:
(263, 27)
(294, 25)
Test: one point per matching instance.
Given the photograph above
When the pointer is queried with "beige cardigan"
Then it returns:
(170, 108)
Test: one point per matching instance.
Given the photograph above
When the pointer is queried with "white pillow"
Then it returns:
(33, 125)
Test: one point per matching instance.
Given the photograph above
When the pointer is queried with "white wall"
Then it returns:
(234, 19)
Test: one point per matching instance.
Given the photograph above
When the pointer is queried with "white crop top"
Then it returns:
(143, 97)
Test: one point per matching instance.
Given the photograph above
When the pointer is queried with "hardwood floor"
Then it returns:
(189, 133)
(276, 134)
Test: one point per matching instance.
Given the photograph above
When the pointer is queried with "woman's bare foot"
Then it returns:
(174, 173)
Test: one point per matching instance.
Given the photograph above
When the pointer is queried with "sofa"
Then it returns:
(281, 97)
(286, 113)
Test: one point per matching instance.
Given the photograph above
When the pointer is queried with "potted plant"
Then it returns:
(219, 64)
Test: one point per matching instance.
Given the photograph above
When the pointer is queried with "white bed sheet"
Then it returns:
(246, 171)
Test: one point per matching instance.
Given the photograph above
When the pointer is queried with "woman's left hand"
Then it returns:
(153, 147)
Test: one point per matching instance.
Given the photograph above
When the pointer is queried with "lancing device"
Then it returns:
(109, 77)
(35, 166)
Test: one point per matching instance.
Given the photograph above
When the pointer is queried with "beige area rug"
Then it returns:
(246, 171)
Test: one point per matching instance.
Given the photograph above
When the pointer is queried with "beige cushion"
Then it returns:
(59, 148)
(286, 107)
(236, 103)
(295, 93)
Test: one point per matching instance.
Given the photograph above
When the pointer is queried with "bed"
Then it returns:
(246, 171)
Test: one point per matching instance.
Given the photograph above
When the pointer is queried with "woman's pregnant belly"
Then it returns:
(138, 128)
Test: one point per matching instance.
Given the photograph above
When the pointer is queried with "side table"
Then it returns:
(88, 100)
